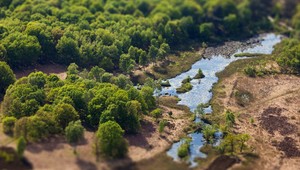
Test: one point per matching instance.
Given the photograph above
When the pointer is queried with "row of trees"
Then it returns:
(118, 34)
(41, 105)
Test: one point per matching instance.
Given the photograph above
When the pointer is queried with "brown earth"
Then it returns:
(57, 69)
(55, 153)
(268, 109)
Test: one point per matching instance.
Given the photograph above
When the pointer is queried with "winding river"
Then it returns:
(201, 92)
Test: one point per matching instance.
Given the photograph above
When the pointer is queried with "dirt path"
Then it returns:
(274, 107)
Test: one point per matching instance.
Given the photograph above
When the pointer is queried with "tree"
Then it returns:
(21, 146)
(37, 79)
(65, 113)
(7, 77)
(67, 49)
(134, 110)
(126, 63)
(147, 93)
(110, 141)
(208, 133)
(242, 138)
(22, 49)
(74, 132)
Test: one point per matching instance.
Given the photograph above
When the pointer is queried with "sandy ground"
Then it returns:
(55, 153)
(275, 109)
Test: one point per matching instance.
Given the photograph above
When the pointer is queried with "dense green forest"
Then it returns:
(118, 34)
(41, 105)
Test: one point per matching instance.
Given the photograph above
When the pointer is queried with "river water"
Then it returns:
(201, 92)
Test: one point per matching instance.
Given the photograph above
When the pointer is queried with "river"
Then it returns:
(201, 92)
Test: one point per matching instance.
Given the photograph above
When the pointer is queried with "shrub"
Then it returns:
(9, 124)
(184, 149)
(162, 125)
(250, 71)
(21, 146)
(186, 80)
(184, 88)
(157, 113)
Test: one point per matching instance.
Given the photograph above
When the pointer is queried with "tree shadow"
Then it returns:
(85, 165)
(50, 144)
(121, 164)
(140, 139)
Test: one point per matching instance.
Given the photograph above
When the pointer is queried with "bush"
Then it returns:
(209, 133)
(230, 118)
(157, 113)
(21, 146)
(184, 88)
(250, 71)
(162, 125)
(186, 80)
(184, 149)
(9, 124)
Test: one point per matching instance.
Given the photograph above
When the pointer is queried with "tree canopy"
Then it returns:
(118, 34)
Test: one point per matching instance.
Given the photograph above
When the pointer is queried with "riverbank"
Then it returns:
(266, 108)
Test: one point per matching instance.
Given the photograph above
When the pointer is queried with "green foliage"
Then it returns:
(199, 74)
(21, 146)
(162, 125)
(8, 124)
(118, 34)
(64, 114)
(209, 133)
(157, 113)
(288, 55)
(229, 118)
(22, 49)
(74, 132)
(250, 71)
(184, 149)
(7, 77)
(234, 143)
(110, 141)
(184, 88)
(186, 80)
(43, 105)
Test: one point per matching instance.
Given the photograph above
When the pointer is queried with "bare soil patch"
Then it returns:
(271, 117)
(57, 69)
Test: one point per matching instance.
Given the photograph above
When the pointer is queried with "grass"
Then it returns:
(171, 101)
(174, 64)
(234, 67)
(177, 63)
(248, 55)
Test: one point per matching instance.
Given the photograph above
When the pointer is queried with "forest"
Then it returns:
(101, 43)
